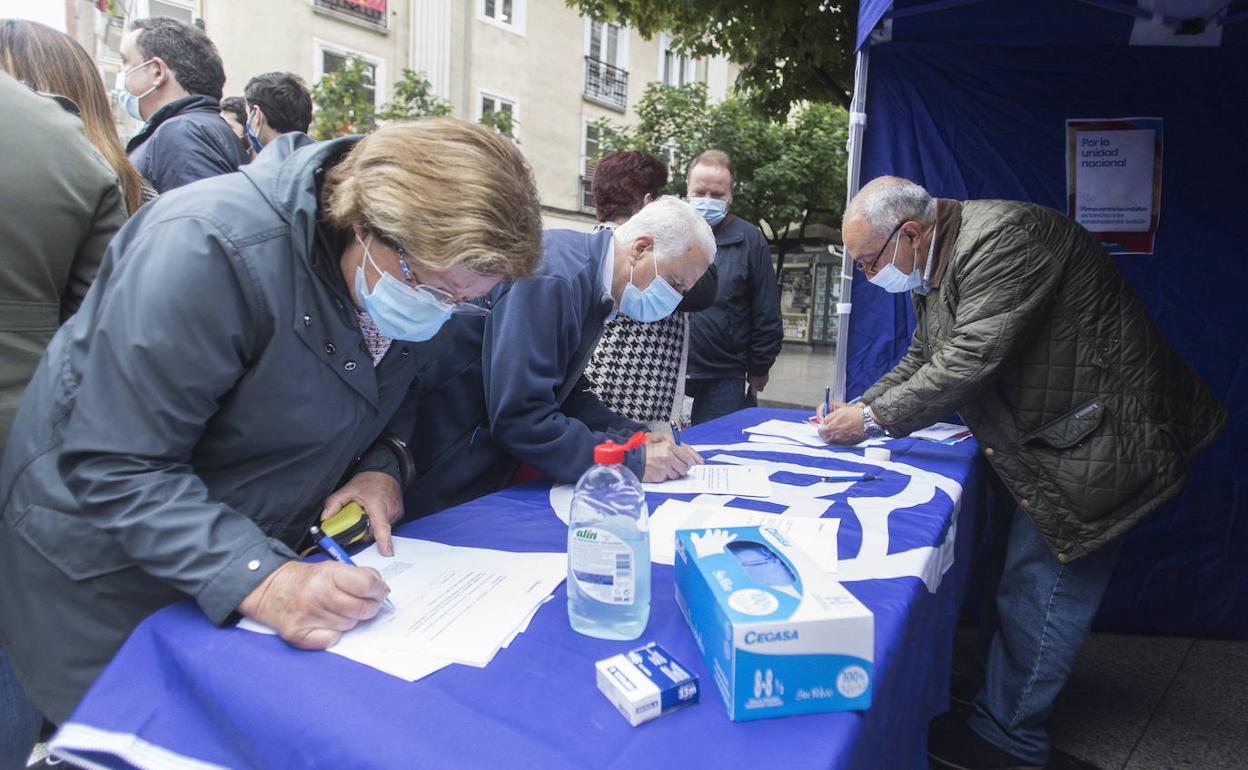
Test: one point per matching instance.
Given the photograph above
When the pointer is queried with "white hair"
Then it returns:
(674, 226)
(887, 201)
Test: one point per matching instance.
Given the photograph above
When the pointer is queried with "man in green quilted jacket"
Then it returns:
(1027, 329)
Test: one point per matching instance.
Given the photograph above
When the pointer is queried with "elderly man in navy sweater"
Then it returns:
(523, 399)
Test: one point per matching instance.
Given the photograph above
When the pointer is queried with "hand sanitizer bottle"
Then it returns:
(609, 548)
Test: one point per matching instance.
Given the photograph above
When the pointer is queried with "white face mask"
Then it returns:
(892, 280)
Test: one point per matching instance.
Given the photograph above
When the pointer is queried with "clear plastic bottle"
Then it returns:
(609, 548)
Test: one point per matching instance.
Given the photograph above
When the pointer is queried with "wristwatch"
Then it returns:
(869, 425)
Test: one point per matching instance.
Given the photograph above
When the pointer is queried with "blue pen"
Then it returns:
(335, 551)
(676, 433)
(827, 404)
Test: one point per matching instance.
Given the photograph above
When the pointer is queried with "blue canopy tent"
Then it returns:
(971, 98)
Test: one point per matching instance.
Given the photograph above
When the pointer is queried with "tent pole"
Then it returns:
(857, 125)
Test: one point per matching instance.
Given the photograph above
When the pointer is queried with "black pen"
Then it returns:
(859, 477)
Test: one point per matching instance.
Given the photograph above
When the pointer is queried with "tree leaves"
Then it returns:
(789, 51)
(343, 103)
(788, 172)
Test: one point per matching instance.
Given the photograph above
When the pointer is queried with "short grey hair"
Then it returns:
(887, 201)
(674, 226)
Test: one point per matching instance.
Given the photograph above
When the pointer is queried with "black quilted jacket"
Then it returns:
(1038, 341)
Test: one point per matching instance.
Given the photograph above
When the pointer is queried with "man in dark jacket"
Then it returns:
(240, 357)
(1026, 327)
(524, 399)
(734, 342)
(172, 79)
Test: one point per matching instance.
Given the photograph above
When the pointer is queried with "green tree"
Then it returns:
(413, 98)
(344, 104)
(789, 173)
(789, 51)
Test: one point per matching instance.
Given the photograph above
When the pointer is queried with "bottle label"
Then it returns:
(602, 565)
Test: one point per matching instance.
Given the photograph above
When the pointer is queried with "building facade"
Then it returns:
(553, 70)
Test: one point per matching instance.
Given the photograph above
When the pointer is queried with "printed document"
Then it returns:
(739, 480)
(452, 605)
(943, 433)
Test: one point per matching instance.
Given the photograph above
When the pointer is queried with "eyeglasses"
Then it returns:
(861, 267)
(441, 297)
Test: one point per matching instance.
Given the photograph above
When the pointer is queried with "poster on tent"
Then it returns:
(1113, 180)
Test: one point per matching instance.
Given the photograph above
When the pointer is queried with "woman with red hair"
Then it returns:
(638, 369)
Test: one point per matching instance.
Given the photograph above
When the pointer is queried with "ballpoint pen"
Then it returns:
(855, 477)
(336, 552)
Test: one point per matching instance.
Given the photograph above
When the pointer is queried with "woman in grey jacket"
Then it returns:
(247, 342)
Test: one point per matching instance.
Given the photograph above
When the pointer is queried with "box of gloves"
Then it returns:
(779, 634)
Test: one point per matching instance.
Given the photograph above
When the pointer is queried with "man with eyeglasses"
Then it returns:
(1027, 329)
(510, 388)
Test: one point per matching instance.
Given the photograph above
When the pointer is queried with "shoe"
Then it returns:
(952, 744)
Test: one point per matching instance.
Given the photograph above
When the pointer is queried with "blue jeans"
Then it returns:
(1044, 610)
(20, 721)
(715, 397)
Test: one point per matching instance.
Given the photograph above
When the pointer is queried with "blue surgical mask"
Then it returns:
(128, 101)
(252, 139)
(401, 312)
(713, 210)
(656, 302)
(892, 280)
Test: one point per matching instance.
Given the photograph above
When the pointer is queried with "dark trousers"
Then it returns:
(715, 397)
(19, 719)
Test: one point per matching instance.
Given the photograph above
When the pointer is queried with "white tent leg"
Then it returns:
(857, 125)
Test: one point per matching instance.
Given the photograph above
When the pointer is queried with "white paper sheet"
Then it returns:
(817, 537)
(943, 433)
(799, 434)
(453, 605)
(803, 433)
(738, 480)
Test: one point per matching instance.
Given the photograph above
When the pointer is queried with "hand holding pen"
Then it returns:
(310, 604)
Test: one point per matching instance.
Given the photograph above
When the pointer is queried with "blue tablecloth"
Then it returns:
(185, 693)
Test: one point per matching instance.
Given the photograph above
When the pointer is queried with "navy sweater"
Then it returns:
(523, 397)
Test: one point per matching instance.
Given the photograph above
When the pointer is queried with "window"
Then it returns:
(500, 114)
(182, 11)
(327, 57)
(604, 43)
(589, 152)
(589, 159)
(606, 60)
(505, 14)
(675, 69)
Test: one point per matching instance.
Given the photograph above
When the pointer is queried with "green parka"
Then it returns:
(1035, 337)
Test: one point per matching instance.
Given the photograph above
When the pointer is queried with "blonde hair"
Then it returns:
(54, 62)
(450, 193)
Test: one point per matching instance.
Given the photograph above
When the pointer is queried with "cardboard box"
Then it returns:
(646, 683)
(773, 649)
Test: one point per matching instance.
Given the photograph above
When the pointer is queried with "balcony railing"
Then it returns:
(606, 84)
